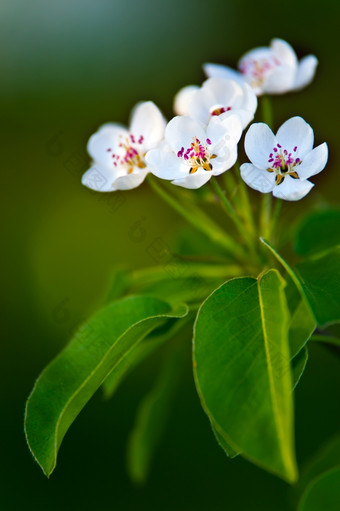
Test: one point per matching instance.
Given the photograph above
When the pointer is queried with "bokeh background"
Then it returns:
(68, 66)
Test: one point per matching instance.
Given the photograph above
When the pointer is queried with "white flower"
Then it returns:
(269, 70)
(193, 152)
(217, 97)
(118, 153)
(283, 163)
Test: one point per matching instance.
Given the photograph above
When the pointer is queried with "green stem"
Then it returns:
(232, 215)
(207, 271)
(229, 183)
(266, 206)
(267, 111)
(201, 221)
(246, 207)
(275, 217)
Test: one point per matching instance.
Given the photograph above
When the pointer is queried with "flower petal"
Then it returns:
(99, 178)
(256, 178)
(249, 101)
(220, 71)
(226, 92)
(260, 53)
(201, 104)
(232, 124)
(193, 181)
(284, 52)
(305, 72)
(181, 130)
(148, 120)
(225, 162)
(296, 132)
(279, 80)
(183, 99)
(104, 143)
(292, 189)
(130, 181)
(163, 163)
(259, 143)
(314, 162)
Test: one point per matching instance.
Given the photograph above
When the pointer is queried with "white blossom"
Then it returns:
(194, 152)
(217, 97)
(269, 70)
(283, 163)
(118, 153)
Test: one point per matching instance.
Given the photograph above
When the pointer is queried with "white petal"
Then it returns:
(201, 104)
(292, 189)
(183, 98)
(226, 92)
(305, 72)
(220, 71)
(193, 181)
(256, 178)
(181, 130)
(259, 143)
(279, 80)
(296, 132)
(130, 181)
(250, 99)
(164, 164)
(260, 53)
(232, 124)
(284, 52)
(314, 162)
(244, 115)
(107, 137)
(148, 120)
(244, 109)
(225, 162)
(99, 178)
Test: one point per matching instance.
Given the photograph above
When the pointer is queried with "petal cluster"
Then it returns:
(193, 152)
(269, 70)
(118, 153)
(219, 97)
(283, 163)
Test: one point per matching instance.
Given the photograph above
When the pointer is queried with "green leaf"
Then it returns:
(318, 280)
(320, 277)
(242, 370)
(318, 232)
(178, 281)
(138, 354)
(71, 379)
(327, 339)
(119, 283)
(151, 419)
(302, 322)
(222, 442)
(323, 493)
(299, 363)
(325, 458)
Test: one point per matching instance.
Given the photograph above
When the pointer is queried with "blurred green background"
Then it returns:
(66, 67)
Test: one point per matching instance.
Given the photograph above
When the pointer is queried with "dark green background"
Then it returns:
(67, 67)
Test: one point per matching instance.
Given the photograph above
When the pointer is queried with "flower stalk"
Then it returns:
(201, 222)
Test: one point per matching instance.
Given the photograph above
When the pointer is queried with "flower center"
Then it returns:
(130, 154)
(197, 155)
(220, 110)
(255, 70)
(283, 163)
